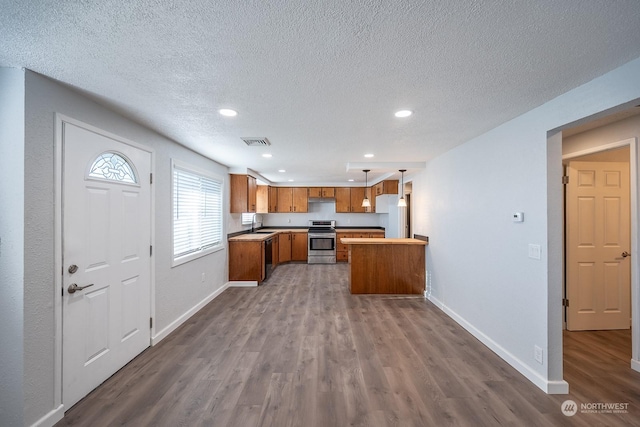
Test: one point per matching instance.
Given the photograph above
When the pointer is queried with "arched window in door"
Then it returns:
(112, 166)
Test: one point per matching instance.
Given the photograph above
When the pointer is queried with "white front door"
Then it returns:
(106, 257)
(598, 244)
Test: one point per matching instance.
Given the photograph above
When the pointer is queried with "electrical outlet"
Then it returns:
(537, 354)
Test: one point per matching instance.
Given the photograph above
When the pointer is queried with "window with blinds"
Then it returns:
(197, 213)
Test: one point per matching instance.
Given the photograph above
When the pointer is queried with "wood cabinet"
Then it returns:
(349, 199)
(342, 250)
(300, 199)
(343, 199)
(299, 246)
(246, 261)
(389, 186)
(292, 247)
(292, 199)
(284, 247)
(243, 193)
(371, 195)
(357, 195)
(262, 199)
(273, 199)
(324, 192)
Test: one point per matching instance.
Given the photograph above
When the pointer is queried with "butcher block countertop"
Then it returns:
(380, 241)
(263, 235)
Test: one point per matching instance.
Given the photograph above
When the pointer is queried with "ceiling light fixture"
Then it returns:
(402, 203)
(267, 155)
(281, 170)
(403, 113)
(368, 155)
(350, 180)
(228, 112)
(365, 202)
(290, 180)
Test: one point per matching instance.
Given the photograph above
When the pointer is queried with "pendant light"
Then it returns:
(402, 203)
(365, 202)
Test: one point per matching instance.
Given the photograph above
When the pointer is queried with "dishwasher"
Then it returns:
(268, 257)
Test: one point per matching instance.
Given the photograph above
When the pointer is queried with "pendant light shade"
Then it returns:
(402, 203)
(365, 202)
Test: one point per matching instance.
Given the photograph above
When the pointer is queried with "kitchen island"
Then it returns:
(386, 266)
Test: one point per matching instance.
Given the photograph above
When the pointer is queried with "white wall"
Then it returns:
(178, 290)
(603, 135)
(477, 258)
(11, 245)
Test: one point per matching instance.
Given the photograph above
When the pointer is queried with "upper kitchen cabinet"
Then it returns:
(389, 186)
(322, 192)
(243, 193)
(293, 199)
(371, 195)
(273, 199)
(349, 199)
(262, 199)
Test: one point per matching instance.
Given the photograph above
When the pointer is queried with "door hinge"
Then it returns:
(150, 250)
(565, 302)
(150, 178)
(565, 179)
(150, 322)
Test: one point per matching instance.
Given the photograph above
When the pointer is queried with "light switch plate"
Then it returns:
(534, 251)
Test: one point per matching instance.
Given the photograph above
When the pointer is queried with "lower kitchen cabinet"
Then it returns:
(284, 247)
(299, 246)
(342, 250)
(293, 247)
(246, 261)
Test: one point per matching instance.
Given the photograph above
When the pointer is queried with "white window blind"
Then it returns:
(197, 213)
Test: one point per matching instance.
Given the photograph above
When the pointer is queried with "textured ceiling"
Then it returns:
(320, 79)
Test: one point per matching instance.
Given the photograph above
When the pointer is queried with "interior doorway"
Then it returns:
(602, 135)
(597, 291)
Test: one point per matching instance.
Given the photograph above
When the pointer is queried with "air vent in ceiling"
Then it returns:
(256, 142)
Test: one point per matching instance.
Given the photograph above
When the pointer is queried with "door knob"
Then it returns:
(73, 288)
(625, 254)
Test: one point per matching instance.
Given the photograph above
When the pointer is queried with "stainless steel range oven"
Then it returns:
(322, 242)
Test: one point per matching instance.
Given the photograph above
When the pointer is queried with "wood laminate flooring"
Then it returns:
(301, 351)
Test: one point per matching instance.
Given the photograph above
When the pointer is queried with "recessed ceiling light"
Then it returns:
(403, 113)
(368, 155)
(290, 180)
(228, 112)
(351, 180)
(281, 170)
(267, 155)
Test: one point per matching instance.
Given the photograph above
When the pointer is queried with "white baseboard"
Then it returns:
(549, 387)
(51, 418)
(635, 365)
(180, 320)
(242, 284)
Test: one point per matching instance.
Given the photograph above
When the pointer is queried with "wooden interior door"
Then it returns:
(598, 245)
